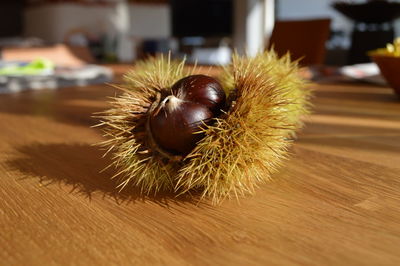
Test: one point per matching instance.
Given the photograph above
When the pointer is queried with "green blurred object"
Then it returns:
(40, 66)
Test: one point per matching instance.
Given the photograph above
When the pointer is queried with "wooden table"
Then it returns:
(337, 201)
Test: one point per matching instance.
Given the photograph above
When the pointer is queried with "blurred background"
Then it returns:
(74, 33)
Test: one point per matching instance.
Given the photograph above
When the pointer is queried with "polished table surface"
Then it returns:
(336, 201)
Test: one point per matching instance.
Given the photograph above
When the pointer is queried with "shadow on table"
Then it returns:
(340, 130)
(369, 143)
(75, 106)
(79, 166)
(371, 95)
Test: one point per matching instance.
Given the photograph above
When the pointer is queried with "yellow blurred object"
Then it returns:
(390, 50)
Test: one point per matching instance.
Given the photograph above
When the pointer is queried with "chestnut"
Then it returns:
(176, 121)
(201, 89)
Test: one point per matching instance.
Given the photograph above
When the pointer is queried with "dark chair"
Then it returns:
(304, 39)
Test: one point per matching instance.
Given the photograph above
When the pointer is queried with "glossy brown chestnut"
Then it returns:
(201, 89)
(194, 102)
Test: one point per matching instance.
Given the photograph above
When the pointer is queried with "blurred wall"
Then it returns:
(303, 9)
(52, 22)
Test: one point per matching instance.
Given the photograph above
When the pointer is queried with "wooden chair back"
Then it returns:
(304, 39)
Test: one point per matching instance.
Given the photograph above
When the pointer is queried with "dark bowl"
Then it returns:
(390, 70)
(369, 12)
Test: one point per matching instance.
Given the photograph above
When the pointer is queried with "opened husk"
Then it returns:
(244, 146)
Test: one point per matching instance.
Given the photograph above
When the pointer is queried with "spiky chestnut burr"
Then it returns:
(239, 150)
(175, 123)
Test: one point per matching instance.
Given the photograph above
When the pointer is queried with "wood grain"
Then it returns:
(336, 202)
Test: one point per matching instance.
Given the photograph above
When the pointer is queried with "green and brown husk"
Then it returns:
(243, 148)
